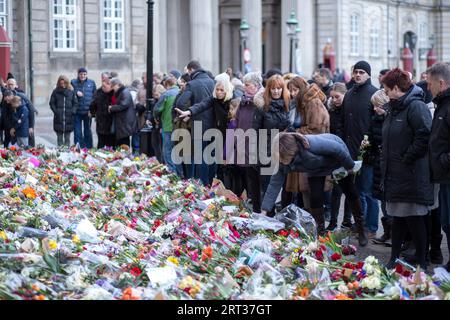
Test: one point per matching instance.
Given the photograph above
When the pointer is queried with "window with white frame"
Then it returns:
(374, 40)
(113, 25)
(354, 34)
(391, 37)
(4, 10)
(64, 25)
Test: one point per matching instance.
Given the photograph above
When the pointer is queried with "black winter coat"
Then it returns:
(198, 89)
(404, 162)
(64, 104)
(275, 118)
(336, 120)
(358, 112)
(124, 114)
(220, 109)
(440, 140)
(99, 110)
(374, 155)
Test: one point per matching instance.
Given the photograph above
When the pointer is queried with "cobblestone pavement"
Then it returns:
(45, 135)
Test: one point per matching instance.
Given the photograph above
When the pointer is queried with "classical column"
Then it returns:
(252, 12)
(160, 37)
(202, 40)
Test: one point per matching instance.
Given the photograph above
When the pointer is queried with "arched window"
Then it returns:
(374, 40)
(354, 34)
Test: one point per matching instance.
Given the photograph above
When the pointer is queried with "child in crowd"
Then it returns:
(20, 128)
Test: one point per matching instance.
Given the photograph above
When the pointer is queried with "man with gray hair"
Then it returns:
(439, 146)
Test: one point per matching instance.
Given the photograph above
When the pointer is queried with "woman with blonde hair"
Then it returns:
(64, 104)
(273, 115)
(317, 156)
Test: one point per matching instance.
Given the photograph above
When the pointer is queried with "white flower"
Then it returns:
(394, 292)
(371, 282)
(222, 233)
(97, 293)
(312, 247)
(343, 288)
(371, 260)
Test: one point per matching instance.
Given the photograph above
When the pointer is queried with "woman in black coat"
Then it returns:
(64, 104)
(273, 115)
(124, 114)
(404, 165)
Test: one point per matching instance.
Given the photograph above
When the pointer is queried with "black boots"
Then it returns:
(435, 251)
(387, 226)
(319, 216)
(358, 216)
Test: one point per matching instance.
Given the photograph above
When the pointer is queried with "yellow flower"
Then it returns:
(190, 189)
(3, 235)
(75, 239)
(52, 244)
(173, 260)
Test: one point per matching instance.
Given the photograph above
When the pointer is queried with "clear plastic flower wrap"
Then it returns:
(293, 216)
(266, 283)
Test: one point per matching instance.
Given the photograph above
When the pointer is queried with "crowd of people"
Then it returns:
(400, 131)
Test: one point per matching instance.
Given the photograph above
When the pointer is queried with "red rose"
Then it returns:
(360, 265)
(336, 257)
(319, 255)
(283, 233)
(399, 268)
(136, 271)
(74, 187)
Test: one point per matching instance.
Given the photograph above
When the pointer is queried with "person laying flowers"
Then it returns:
(318, 156)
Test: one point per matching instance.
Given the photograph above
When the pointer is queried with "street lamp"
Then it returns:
(297, 46)
(244, 28)
(146, 132)
(292, 24)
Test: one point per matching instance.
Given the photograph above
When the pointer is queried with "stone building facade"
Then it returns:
(53, 37)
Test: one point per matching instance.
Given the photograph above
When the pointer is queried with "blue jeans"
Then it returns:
(444, 207)
(84, 139)
(136, 142)
(370, 205)
(167, 150)
(203, 171)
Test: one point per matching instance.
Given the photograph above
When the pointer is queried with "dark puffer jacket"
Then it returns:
(64, 104)
(374, 155)
(99, 110)
(440, 140)
(198, 89)
(404, 162)
(336, 119)
(358, 112)
(220, 109)
(124, 114)
(88, 88)
(327, 153)
(276, 117)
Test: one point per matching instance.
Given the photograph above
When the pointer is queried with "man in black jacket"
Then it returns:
(199, 88)
(358, 112)
(439, 85)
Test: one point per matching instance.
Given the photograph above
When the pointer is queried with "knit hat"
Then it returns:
(10, 76)
(82, 70)
(363, 65)
(175, 73)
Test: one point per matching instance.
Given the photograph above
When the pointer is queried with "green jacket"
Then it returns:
(163, 109)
